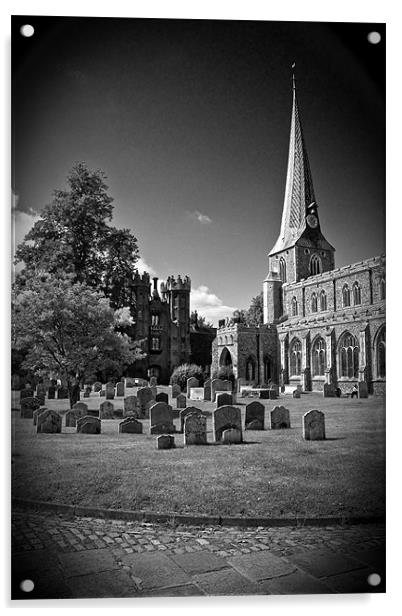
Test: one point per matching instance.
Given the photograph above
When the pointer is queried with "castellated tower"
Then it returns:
(176, 292)
(142, 288)
(301, 250)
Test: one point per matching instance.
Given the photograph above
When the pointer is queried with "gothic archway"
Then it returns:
(225, 358)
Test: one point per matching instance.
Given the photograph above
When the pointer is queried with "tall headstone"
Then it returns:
(48, 422)
(195, 429)
(225, 418)
(160, 418)
(207, 390)
(181, 401)
(144, 399)
(162, 397)
(280, 418)
(28, 406)
(224, 399)
(89, 425)
(130, 405)
(109, 390)
(130, 425)
(176, 390)
(120, 389)
(191, 382)
(255, 413)
(314, 426)
(106, 410)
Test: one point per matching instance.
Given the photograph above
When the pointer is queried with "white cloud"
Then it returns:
(209, 305)
(143, 266)
(204, 219)
(22, 223)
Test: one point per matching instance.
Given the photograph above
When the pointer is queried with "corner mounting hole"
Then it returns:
(27, 585)
(27, 30)
(374, 38)
(374, 579)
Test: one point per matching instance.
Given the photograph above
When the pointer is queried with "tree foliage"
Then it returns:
(185, 371)
(253, 316)
(199, 321)
(73, 235)
(68, 329)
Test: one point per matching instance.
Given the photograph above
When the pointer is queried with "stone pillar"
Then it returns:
(363, 353)
(329, 339)
(284, 366)
(305, 371)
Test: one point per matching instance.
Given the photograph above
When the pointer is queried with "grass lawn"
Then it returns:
(274, 473)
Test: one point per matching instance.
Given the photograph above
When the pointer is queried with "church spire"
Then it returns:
(299, 193)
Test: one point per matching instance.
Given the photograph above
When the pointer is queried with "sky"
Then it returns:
(190, 121)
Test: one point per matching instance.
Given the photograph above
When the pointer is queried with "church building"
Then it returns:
(321, 325)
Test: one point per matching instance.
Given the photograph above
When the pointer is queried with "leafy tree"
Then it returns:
(73, 236)
(254, 315)
(199, 321)
(69, 329)
(185, 371)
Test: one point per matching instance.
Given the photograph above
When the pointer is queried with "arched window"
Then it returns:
(315, 265)
(380, 353)
(282, 269)
(295, 357)
(230, 339)
(323, 301)
(295, 310)
(319, 357)
(345, 296)
(349, 356)
(250, 369)
(313, 302)
(357, 296)
(226, 339)
(382, 288)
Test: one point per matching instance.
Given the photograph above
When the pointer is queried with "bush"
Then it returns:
(185, 371)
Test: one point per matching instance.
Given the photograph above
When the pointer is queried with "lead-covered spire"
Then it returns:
(299, 193)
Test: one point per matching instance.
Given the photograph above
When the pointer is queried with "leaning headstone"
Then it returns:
(165, 441)
(160, 418)
(176, 390)
(224, 399)
(120, 389)
(97, 386)
(363, 389)
(255, 413)
(89, 425)
(28, 406)
(26, 393)
(225, 418)
(48, 422)
(280, 418)
(218, 385)
(130, 405)
(195, 429)
(51, 392)
(187, 411)
(80, 409)
(37, 413)
(231, 436)
(153, 381)
(207, 390)
(197, 393)
(106, 410)
(314, 426)
(191, 382)
(296, 393)
(62, 393)
(130, 425)
(162, 397)
(144, 399)
(70, 419)
(109, 390)
(181, 401)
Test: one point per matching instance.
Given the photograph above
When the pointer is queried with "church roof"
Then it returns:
(299, 193)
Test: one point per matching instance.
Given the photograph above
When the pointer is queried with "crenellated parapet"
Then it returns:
(141, 279)
(177, 284)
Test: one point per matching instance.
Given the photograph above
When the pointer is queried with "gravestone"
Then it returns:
(48, 422)
(144, 399)
(272, 393)
(130, 405)
(224, 399)
(181, 401)
(120, 389)
(26, 393)
(363, 389)
(264, 394)
(176, 390)
(153, 381)
(28, 406)
(279, 418)
(184, 412)
(231, 436)
(38, 412)
(160, 418)
(106, 410)
(218, 385)
(62, 393)
(191, 382)
(296, 393)
(109, 390)
(89, 425)
(196, 393)
(207, 390)
(254, 420)
(97, 386)
(165, 441)
(314, 426)
(130, 425)
(40, 390)
(80, 409)
(225, 418)
(41, 398)
(329, 390)
(195, 429)
(162, 397)
(51, 392)
(71, 419)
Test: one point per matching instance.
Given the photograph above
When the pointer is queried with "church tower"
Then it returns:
(301, 250)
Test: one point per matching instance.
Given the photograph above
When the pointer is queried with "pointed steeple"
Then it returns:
(299, 193)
